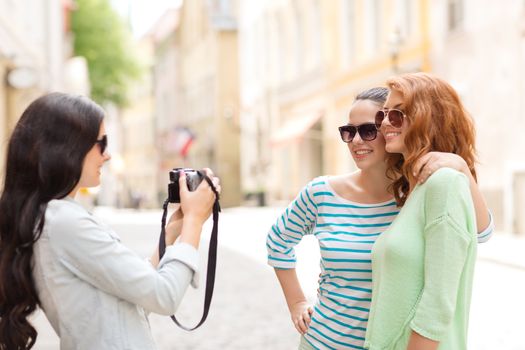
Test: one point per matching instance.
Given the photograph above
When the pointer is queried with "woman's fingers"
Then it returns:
(300, 325)
(214, 179)
(433, 161)
(208, 172)
(306, 316)
(420, 164)
(217, 184)
(425, 173)
(303, 320)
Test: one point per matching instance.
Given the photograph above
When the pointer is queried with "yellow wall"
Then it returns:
(209, 96)
(227, 117)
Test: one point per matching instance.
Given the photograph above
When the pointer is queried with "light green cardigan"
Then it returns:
(423, 267)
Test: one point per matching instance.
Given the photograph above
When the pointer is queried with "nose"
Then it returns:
(357, 139)
(384, 123)
(107, 156)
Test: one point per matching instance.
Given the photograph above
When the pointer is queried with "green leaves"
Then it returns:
(103, 38)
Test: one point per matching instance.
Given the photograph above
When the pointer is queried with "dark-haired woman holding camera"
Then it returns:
(95, 292)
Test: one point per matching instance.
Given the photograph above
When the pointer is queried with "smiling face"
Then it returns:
(93, 162)
(366, 154)
(394, 137)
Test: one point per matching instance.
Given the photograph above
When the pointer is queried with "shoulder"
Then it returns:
(310, 193)
(447, 192)
(446, 179)
(64, 216)
(65, 210)
(338, 180)
(319, 181)
(344, 186)
(315, 185)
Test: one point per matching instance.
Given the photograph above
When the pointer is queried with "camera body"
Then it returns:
(193, 180)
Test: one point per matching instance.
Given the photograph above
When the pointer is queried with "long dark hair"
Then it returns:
(45, 156)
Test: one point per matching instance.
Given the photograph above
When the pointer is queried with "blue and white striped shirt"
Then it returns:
(346, 232)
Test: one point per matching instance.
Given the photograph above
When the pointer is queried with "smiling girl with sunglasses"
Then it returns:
(423, 264)
(95, 292)
(346, 213)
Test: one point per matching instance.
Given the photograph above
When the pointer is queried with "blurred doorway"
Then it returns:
(519, 202)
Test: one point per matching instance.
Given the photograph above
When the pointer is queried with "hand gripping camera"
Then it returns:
(193, 180)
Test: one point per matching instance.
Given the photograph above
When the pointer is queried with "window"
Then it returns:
(316, 34)
(455, 14)
(298, 39)
(348, 29)
(405, 17)
(373, 11)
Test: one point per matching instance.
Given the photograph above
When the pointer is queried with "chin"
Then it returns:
(362, 166)
(365, 163)
(391, 148)
(94, 183)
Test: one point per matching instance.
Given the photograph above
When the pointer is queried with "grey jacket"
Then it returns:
(95, 292)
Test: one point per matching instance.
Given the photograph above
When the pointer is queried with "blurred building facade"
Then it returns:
(166, 81)
(479, 47)
(197, 92)
(283, 84)
(139, 147)
(256, 89)
(35, 47)
(303, 62)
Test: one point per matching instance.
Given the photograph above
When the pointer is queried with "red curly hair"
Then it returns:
(437, 122)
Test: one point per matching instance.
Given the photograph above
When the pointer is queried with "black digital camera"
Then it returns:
(193, 180)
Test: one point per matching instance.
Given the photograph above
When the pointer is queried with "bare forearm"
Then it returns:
(172, 231)
(154, 260)
(482, 211)
(191, 231)
(418, 342)
(291, 287)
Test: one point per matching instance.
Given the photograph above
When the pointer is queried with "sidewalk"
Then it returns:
(244, 229)
(504, 249)
(248, 308)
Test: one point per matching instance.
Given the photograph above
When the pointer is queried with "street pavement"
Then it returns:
(248, 310)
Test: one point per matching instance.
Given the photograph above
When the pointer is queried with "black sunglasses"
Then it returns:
(395, 117)
(367, 132)
(103, 144)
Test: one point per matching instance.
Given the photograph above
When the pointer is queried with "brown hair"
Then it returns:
(437, 122)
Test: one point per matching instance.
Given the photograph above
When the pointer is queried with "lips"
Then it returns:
(362, 153)
(391, 135)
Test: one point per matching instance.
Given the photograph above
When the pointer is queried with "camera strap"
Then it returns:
(212, 254)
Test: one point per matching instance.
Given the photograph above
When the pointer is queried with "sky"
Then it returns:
(143, 13)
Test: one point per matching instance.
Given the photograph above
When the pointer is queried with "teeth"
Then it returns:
(363, 152)
(392, 134)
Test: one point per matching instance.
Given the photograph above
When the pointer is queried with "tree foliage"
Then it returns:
(102, 37)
